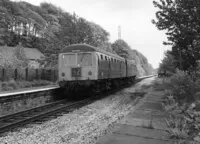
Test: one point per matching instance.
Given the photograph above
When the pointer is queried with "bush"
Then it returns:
(182, 87)
(41, 82)
(24, 84)
(12, 85)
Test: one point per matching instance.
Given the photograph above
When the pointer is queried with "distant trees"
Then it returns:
(121, 48)
(167, 63)
(47, 28)
(180, 19)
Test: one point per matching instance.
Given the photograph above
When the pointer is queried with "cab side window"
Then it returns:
(101, 57)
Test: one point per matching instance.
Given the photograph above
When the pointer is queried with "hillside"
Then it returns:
(124, 50)
(143, 67)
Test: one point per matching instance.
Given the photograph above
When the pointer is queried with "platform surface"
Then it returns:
(145, 125)
(27, 90)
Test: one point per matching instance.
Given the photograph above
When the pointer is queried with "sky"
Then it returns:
(133, 16)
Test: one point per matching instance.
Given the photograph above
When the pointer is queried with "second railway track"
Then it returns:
(16, 120)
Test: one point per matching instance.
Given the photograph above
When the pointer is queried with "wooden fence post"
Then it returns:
(26, 74)
(15, 74)
(42, 74)
(50, 75)
(3, 74)
(54, 75)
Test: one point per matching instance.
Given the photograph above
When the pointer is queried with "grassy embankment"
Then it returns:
(182, 101)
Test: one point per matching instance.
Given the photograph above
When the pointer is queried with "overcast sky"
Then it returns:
(134, 17)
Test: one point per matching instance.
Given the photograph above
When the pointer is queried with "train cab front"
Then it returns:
(77, 68)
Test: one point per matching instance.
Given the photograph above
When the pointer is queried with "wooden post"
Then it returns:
(26, 74)
(3, 74)
(50, 75)
(15, 74)
(42, 75)
(54, 75)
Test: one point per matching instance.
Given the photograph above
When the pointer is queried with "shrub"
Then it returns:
(161, 84)
(177, 127)
(41, 82)
(6, 87)
(12, 84)
(24, 84)
(182, 87)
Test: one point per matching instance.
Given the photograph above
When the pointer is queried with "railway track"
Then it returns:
(16, 120)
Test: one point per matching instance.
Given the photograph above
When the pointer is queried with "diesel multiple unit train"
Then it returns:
(84, 68)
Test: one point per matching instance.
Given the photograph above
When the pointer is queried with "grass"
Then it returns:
(177, 127)
(161, 84)
(13, 85)
(149, 125)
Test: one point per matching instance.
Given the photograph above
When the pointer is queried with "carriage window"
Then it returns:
(69, 59)
(105, 57)
(101, 56)
(84, 59)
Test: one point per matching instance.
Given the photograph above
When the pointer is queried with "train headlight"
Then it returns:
(63, 74)
(89, 73)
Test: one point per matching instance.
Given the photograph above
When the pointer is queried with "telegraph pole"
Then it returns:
(119, 32)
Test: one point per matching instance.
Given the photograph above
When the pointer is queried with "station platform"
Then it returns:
(146, 124)
(27, 90)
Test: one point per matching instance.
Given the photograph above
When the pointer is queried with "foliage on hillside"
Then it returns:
(47, 28)
(124, 50)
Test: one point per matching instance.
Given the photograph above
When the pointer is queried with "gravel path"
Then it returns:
(82, 126)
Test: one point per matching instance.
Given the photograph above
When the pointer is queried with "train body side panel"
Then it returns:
(103, 69)
(123, 69)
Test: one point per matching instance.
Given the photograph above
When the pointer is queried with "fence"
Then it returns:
(28, 74)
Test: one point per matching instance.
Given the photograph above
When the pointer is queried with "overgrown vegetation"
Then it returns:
(13, 85)
(182, 101)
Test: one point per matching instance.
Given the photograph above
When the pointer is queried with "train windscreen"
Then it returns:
(84, 59)
(69, 59)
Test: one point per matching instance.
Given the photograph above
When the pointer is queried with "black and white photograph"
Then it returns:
(99, 72)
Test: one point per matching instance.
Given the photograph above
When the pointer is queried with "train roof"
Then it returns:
(87, 48)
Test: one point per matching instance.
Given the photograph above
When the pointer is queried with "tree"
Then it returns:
(99, 35)
(167, 63)
(180, 19)
(121, 48)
